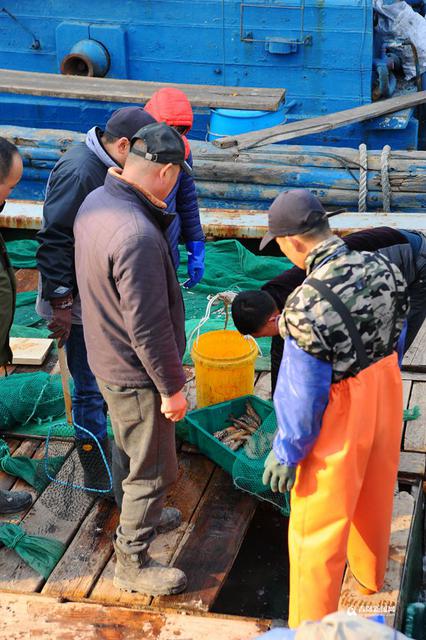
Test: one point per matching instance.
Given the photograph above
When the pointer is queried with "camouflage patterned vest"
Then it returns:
(366, 286)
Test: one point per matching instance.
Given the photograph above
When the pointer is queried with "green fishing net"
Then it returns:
(33, 471)
(22, 253)
(248, 467)
(40, 553)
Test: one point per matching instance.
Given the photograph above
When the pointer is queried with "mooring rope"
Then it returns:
(363, 169)
(384, 169)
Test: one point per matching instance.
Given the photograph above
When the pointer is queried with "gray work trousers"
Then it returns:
(144, 462)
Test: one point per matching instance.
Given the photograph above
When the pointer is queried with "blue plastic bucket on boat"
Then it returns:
(230, 122)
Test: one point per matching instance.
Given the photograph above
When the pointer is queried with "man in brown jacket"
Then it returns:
(10, 174)
(133, 319)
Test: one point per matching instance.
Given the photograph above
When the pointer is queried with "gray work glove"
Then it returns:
(280, 476)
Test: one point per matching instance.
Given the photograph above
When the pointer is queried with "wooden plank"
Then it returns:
(415, 357)
(385, 602)
(135, 91)
(323, 123)
(57, 514)
(412, 465)
(419, 376)
(227, 223)
(30, 351)
(87, 555)
(26, 280)
(415, 431)
(23, 616)
(193, 476)
(208, 552)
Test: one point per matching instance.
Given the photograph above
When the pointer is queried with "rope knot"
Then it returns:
(17, 539)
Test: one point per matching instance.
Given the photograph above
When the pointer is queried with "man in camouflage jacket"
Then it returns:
(338, 402)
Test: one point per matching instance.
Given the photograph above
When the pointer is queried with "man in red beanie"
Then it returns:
(171, 106)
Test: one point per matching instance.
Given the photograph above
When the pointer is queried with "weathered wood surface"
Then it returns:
(26, 280)
(136, 91)
(30, 351)
(219, 525)
(229, 223)
(57, 513)
(328, 122)
(35, 616)
(415, 430)
(193, 478)
(412, 465)
(415, 358)
(386, 602)
(86, 556)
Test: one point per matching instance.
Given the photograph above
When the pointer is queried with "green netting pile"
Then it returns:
(26, 323)
(26, 397)
(35, 472)
(40, 553)
(248, 467)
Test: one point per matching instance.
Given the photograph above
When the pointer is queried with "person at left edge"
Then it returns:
(10, 174)
(81, 169)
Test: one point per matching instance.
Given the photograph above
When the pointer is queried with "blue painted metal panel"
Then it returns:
(321, 51)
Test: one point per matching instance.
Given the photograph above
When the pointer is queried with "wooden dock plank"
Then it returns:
(385, 602)
(7, 481)
(219, 527)
(415, 430)
(26, 280)
(136, 91)
(87, 555)
(193, 477)
(57, 514)
(23, 616)
(231, 223)
(412, 465)
(415, 358)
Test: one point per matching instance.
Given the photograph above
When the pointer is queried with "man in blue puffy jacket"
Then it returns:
(171, 106)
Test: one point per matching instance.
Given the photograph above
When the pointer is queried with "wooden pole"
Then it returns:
(65, 376)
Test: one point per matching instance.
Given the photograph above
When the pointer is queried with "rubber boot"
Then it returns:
(14, 501)
(96, 476)
(139, 572)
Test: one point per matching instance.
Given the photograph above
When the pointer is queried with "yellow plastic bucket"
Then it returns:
(224, 366)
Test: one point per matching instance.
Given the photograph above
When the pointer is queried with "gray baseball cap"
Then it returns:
(292, 213)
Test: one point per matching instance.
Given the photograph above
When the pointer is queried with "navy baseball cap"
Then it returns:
(163, 143)
(292, 213)
(125, 122)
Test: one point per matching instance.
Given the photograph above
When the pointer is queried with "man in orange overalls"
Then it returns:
(339, 407)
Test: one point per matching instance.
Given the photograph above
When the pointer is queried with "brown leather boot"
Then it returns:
(139, 572)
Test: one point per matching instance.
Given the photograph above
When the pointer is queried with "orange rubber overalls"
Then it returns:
(341, 503)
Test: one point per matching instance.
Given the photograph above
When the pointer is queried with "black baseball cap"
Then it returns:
(125, 122)
(164, 144)
(292, 213)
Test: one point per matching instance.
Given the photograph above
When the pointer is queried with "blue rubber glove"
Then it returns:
(196, 252)
(279, 476)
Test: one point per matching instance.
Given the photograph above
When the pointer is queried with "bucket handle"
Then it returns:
(226, 297)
